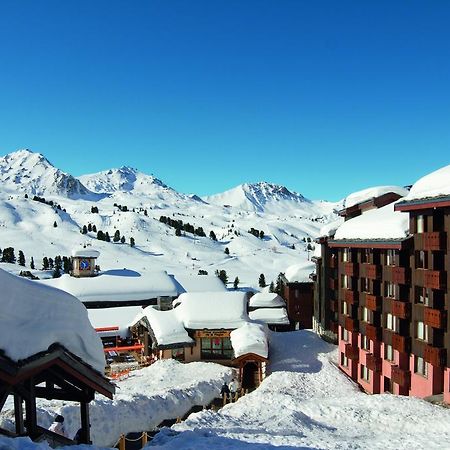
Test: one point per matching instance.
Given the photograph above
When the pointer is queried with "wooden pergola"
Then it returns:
(243, 360)
(55, 374)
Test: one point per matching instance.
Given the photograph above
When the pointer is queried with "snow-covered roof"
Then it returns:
(167, 326)
(250, 338)
(299, 273)
(117, 286)
(113, 317)
(381, 223)
(200, 283)
(435, 184)
(213, 310)
(34, 316)
(82, 252)
(271, 316)
(330, 228)
(266, 300)
(373, 192)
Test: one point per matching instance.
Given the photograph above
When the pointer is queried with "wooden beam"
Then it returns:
(18, 414)
(85, 425)
(30, 408)
(59, 394)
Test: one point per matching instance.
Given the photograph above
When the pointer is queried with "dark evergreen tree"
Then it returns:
(227, 251)
(100, 235)
(116, 236)
(89, 227)
(261, 234)
(132, 242)
(222, 274)
(32, 267)
(94, 228)
(178, 232)
(236, 283)
(271, 287)
(107, 238)
(279, 285)
(122, 239)
(67, 264)
(262, 281)
(212, 235)
(8, 255)
(51, 263)
(55, 225)
(85, 230)
(45, 264)
(202, 272)
(21, 258)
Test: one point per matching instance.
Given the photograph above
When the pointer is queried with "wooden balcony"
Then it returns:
(400, 376)
(373, 362)
(372, 271)
(373, 333)
(435, 240)
(333, 284)
(373, 302)
(435, 318)
(435, 356)
(352, 351)
(349, 269)
(400, 309)
(399, 275)
(401, 343)
(434, 279)
(351, 324)
(350, 297)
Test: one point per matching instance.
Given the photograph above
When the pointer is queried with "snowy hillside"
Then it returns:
(140, 206)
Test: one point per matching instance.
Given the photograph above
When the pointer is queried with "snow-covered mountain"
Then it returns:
(32, 173)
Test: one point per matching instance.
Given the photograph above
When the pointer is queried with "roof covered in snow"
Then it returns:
(117, 286)
(271, 316)
(373, 192)
(381, 223)
(330, 228)
(266, 300)
(82, 252)
(113, 317)
(250, 338)
(35, 316)
(199, 283)
(299, 273)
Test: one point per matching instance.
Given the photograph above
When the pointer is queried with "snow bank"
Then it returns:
(381, 223)
(35, 316)
(373, 192)
(25, 443)
(250, 338)
(117, 285)
(266, 300)
(435, 184)
(299, 273)
(271, 316)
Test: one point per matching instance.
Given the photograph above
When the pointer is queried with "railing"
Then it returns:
(400, 376)
(435, 356)
(350, 297)
(373, 302)
(351, 324)
(434, 317)
(349, 268)
(434, 240)
(373, 362)
(351, 351)
(400, 309)
(372, 271)
(373, 333)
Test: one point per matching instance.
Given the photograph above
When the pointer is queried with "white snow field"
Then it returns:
(165, 390)
(307, 402)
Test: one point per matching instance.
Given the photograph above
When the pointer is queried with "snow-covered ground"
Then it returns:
(307, 402)
(165, 390)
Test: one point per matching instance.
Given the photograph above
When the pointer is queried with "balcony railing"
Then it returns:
(435, 356)
(372, 271)
(433, 279)
(373, 362)
(373, 332)
(373, 302)
(400, 376)
(400, 309)
(435, 318)
(352, 351)
(399, 275)
(435, 240)
(350, 297)
(351, 324)
(350, 269)
(401, 343)
(332, 284)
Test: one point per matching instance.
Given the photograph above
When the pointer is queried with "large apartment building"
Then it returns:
(383, 277)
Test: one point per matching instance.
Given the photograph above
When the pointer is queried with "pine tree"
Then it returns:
(45, 264)
(271, 287)
(212, 235)
(236, 283)
(262, 281)
(32, 267)
(89, 227)
(8, 255)
(100, 235)
(122, 239)
(261, 234)
(67, 265)
(279, 285)
(85, 230)
(107, 238)
(227, 251)
(178, 232)
(55, 225)
(132, 242)
(21, 258)
(94, 228)
(116, 236)
(51, 263)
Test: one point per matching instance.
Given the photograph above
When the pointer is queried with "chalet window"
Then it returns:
(365, 373)
(346, 255)
(365, 285)
(389, 289)
(344, 360)
(344, 308)
(390, 257)
(420, 366)
(366, 315)
(422, 331)
(216, 348)
(344, 334)
(178, 354)
(421, 260)
(388, 352)
(392, 322)
(422, 296)
(420, 224)
(365, 342)
(345, 281)
(365, 255)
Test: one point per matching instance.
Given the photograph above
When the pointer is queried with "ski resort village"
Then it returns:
(134, 316)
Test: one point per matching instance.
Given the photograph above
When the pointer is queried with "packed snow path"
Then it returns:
(307, 402)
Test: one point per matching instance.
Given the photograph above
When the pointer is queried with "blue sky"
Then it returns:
(325, 97)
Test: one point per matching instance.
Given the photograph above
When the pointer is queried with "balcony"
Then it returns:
(435, 318)
(399, 275)
(332, 284)
(333, 305)
(400, 376)
(350, 297)
(349, 269)
(373, 333)
(352, 351)
(351, 324)
(371, 271)
(435, 240)
(401, 343)
(334, 327)
(373, 302)
(435, 356)
(373, 362)
(434, 279)
(400, 309)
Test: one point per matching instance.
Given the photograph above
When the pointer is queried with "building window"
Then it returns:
(420, 224)
(344, 334)
(388, 352)
(365, 285)
(389, 289)
(422, 331)
(344, 308)
(178, 354)
(392, 322)
(421, 260)
(422, 296)
(216, 348)
(345, 281)
(346, 255)
(344, 360)
(365, 373)
(420, 366)
(390, 257)
(366, 316)
(365, 342)
(365, 255)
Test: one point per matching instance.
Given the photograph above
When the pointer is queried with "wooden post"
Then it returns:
(122, 442)
(85, 425)
(144, 439)
(30, 408)
(18, 414)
